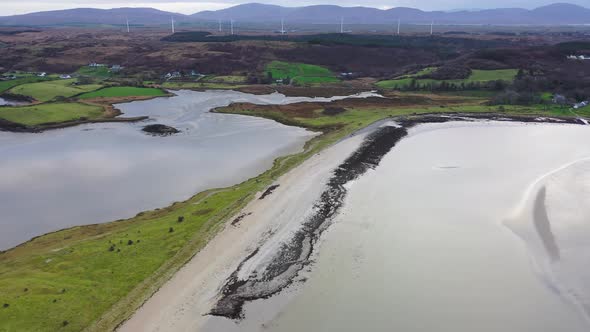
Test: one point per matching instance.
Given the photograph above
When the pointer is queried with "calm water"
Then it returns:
(4, 102)
(423, 244)
(102, 172)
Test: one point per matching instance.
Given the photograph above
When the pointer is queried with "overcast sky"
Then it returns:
(11, 7)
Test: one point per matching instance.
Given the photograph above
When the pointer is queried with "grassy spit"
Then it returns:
(123, 91)
(94, 277)
(47, 91)
(7, 85)
(86, 103)
(51, 113)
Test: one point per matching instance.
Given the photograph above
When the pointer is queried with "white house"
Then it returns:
(581, 105)
(578, 57)
(65, 76)
(174, 74)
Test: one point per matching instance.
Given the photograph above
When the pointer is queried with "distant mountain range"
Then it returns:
(555, 14)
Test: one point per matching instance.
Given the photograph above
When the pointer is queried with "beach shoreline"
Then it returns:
(217, 272)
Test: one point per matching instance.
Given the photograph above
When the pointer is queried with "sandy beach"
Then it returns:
(182, 303)
(398, 239)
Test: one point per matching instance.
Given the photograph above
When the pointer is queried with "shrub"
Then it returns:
(171, 230)
(130, 242)
(180, 219)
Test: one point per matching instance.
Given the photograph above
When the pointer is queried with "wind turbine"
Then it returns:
(283, 26)
(231, 23)
(220, 29)
(399, 23)
(127, 19)
(432, 28)
(342, 25)
(172, 19)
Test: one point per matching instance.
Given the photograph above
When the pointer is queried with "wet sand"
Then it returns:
(420, 244)
(183, 303)
(553, 221)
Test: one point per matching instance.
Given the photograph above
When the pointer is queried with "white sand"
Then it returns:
(181, 304)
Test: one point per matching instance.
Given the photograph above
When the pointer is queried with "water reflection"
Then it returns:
(101, 172)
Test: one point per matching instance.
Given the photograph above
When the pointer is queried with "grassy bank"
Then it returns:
(68, 280)
(93, 277)
(47, 91)
(300, 73)
(123, 91)
(50, 113)
(477, 76)
(7, 85)
(202, 85)
(97, 72)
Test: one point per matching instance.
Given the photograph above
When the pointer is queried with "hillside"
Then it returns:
(555, 14)
(85, 16)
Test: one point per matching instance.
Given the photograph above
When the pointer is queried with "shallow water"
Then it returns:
(422, 242)
(102, 172)
(7, 102)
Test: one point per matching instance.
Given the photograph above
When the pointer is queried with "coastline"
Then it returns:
(190, 295)
(111, 114)
(184, 299)
(149, 287)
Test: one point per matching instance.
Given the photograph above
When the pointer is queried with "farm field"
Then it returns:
(123, 91)
(98, 72)
(47, 91)
(201, 85)
(300, 73)
(477, 76)
(230, 79)
(50, 113)
(7, 85)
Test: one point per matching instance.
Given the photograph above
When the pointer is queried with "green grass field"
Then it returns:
(477, 76)
(300, 73)
(7, 85)
(201, 85)
(72, 275)
(47, 91)
(229, 79)
(50, 113)
(123, 91)
(97, 72)
(93, 277)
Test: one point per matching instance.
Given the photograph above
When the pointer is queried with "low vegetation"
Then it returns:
(123, 91)
(477, 77)
(102, 72)
(229, 79)
(34, 115)
(299, 73)
(94, 277)
(99, 269)
(47, 91)
(201, 85)
(7, 85)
